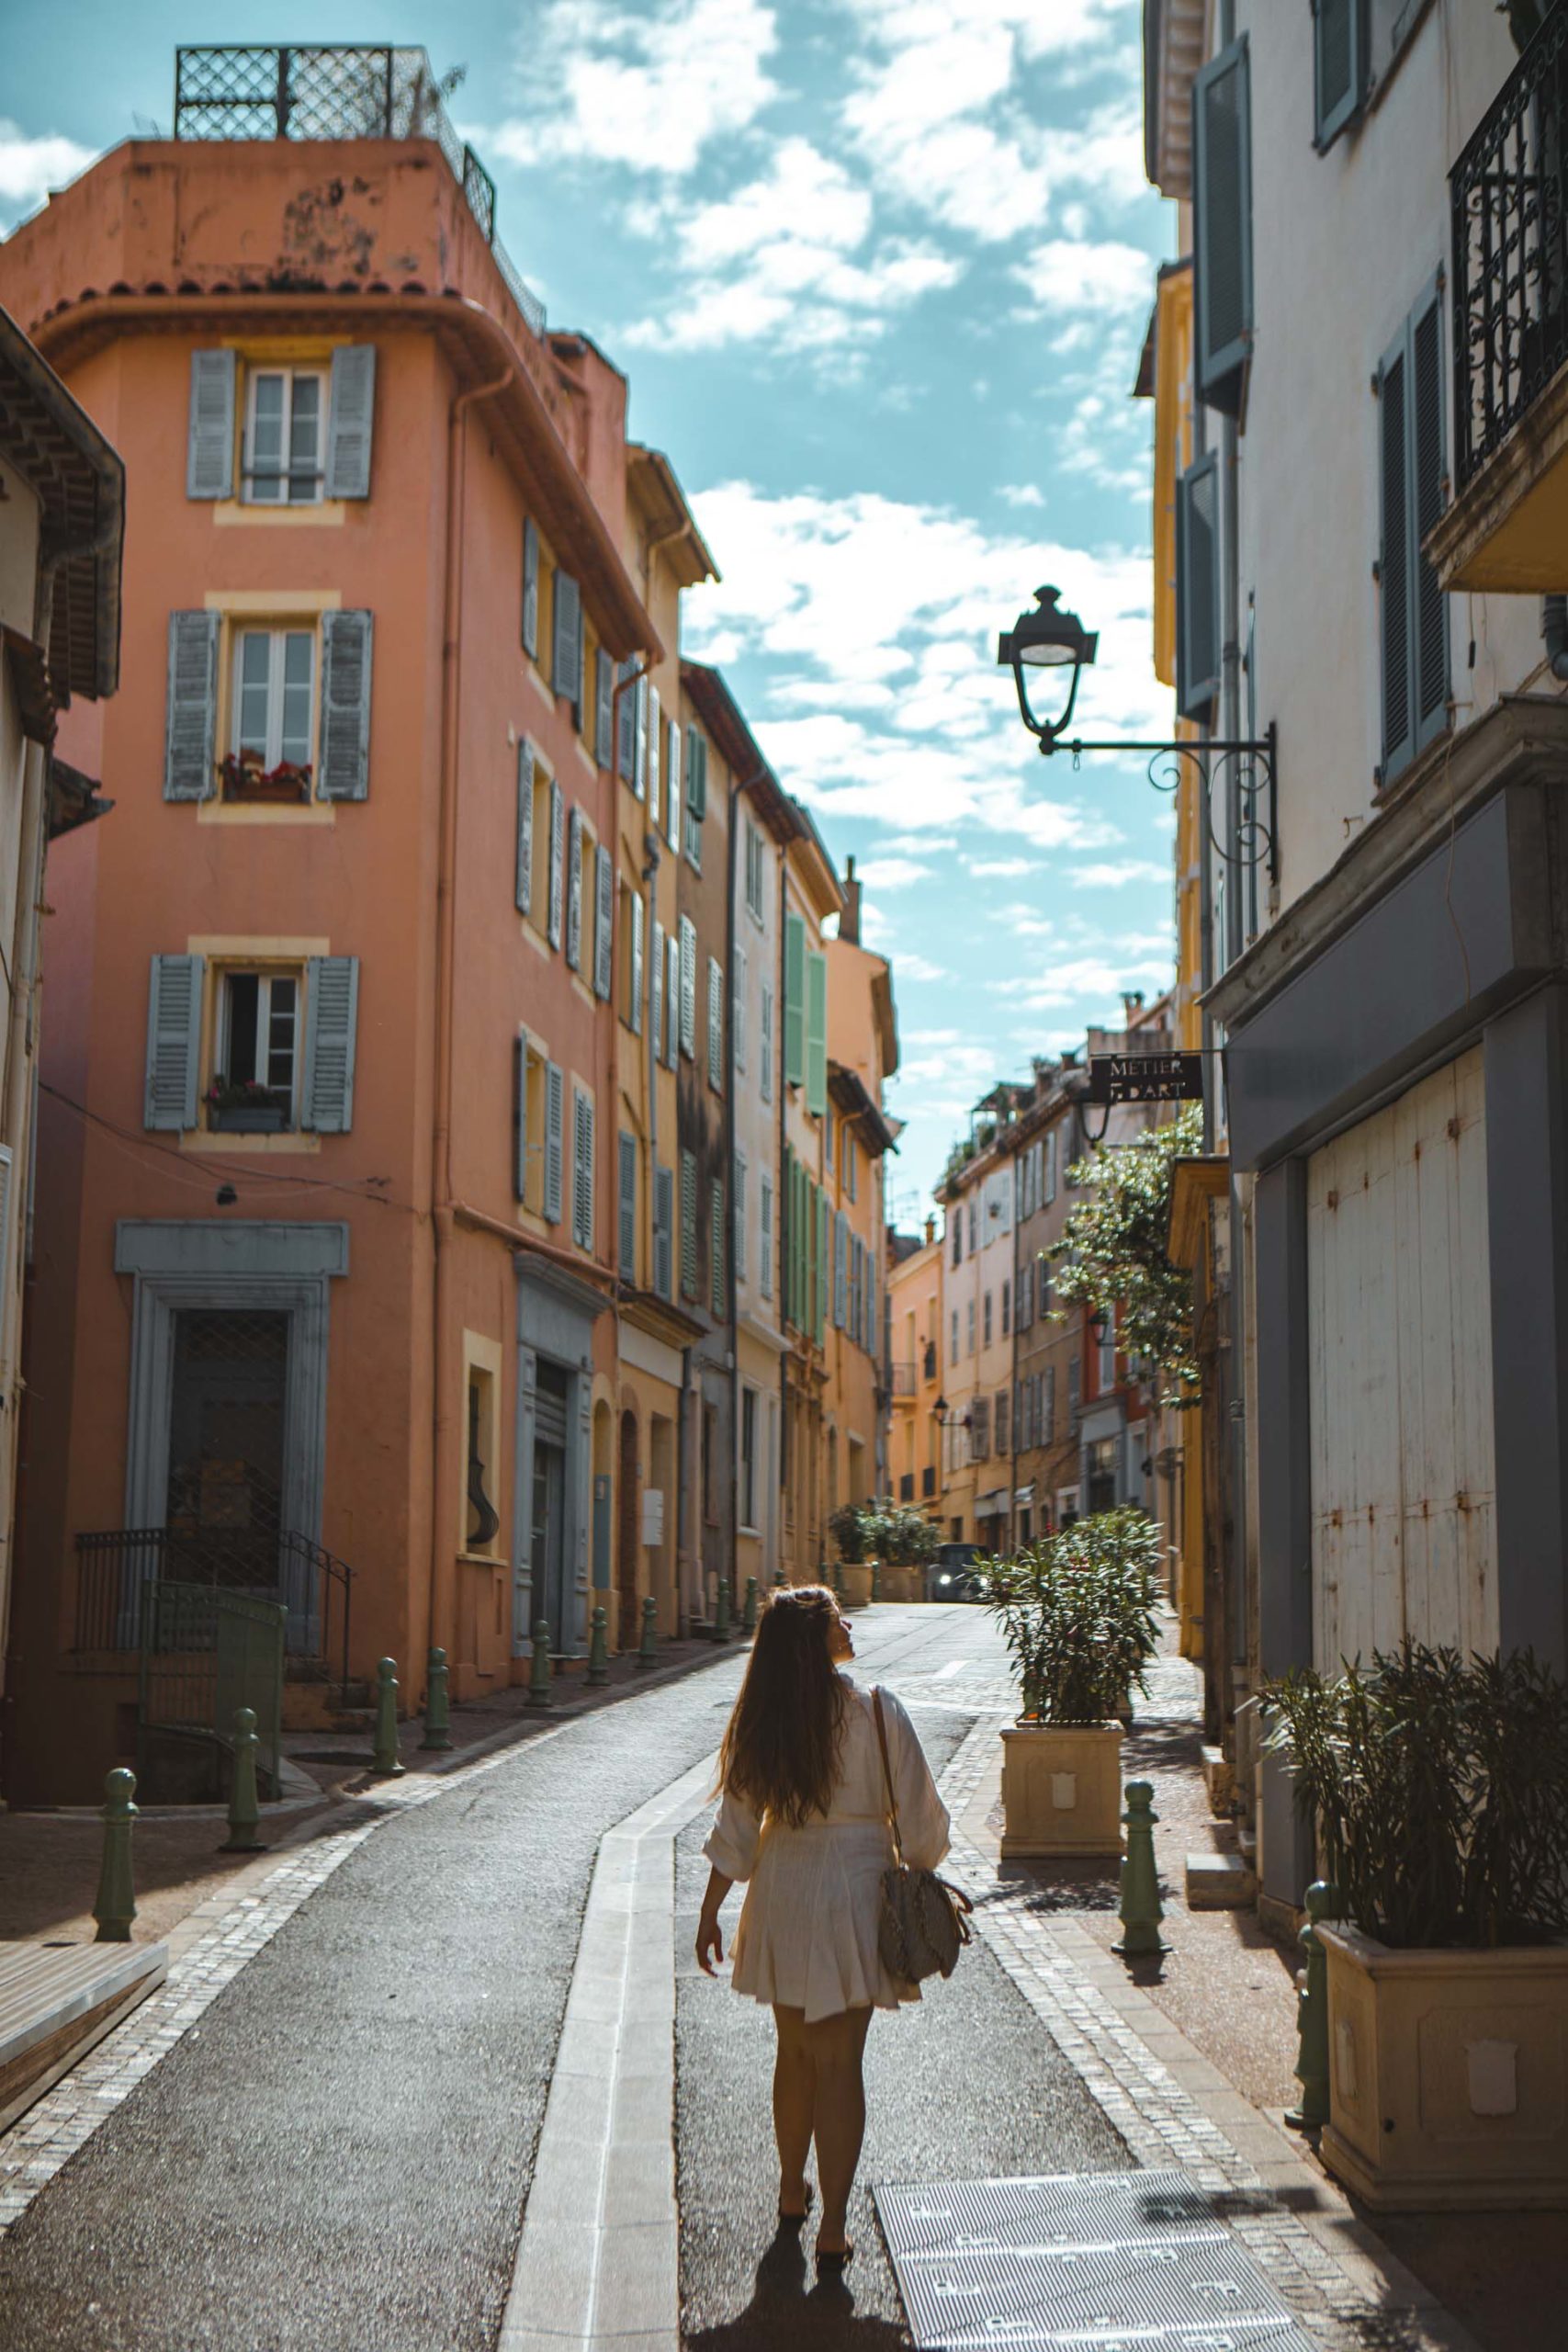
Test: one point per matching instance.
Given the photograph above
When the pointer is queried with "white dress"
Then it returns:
(809, 1927)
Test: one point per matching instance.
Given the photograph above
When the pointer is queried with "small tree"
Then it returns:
(1077, 1613)
(847, 1527)
(1112, 1254)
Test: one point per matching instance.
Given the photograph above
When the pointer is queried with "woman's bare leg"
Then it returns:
(838, 2049)
(794, 2082)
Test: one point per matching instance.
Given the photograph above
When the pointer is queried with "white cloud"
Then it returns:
(1002, 869)
(650, 88)
(1106, 279)
(894, 873)
(786, 259)
(1116, 877)
(1023, 494)
(913, 965)
(30, 167)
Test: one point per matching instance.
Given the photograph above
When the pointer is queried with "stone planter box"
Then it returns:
(249, 1119)
(1061, 1789)
(857, 1586)
(1448, 2075)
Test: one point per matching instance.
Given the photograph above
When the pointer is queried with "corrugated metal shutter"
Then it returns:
(190, 772)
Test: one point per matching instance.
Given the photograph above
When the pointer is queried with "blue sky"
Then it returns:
(878, 271)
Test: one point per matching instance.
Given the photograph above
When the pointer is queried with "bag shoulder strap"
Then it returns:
(887, 1771)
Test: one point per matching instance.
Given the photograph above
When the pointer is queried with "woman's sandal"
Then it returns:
(833, 2258)
(793, 2220)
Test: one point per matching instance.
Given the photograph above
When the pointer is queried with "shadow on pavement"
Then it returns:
(791, 2308)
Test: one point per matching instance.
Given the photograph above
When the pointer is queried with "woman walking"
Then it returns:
(805, 1819)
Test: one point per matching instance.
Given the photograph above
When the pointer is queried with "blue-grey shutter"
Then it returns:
(582, 1170)
(565, 669)
(603, 708)
(1339, 65)
(716, 1025)
(625, 1204)
(555, 911)
(1394, 559)
(840, 1269)
(189, 736)
(671, 1001)
(604, 935)
(719, 1219)
(1429, 614)
(663, 1231)
(1197, 588)
(688, 988)
(696, 775)
(530, 588)
(1222, 235)
(689, 1225)
(347, 641)
(639, 743)
(209, 441)
(555, 1117)
(525, 826)
(658, 1011)
(173, 1040)
(520, 1115)
(625, 726)
(351, 423)
(574, 891)
(331, 1006)
(636, 977)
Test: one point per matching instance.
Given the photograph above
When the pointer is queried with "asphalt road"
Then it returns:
(336, 2158)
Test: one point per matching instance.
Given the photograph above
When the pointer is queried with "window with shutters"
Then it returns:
(740, 1242)
(529, 1122)
(974, 1224)
(765, 1043)
(540, 876)
(272, 703)
(980, 1427)
(1198, 589)
(281, 1045)
(696, 795)
(671, 1001)
(285, 437)
(603, 922)
(957, 1215)
(626, 725)
(716, 1025)
(672, 784)
(690, 1269)
(663, 1231)
(626, 1220)
(566, 658)
(756, 871)
(634, 976)
(765, 1238)
(1002, 1408)
(1222, 226)
(1340, 48)
(583, 1149)
(579, 851)
(1413, 611)
(688, 988)
(719, 1292)
(737, 1023)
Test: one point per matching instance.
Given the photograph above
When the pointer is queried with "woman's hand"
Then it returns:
(709, 1940)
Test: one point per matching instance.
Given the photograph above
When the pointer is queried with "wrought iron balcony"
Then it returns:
(336, 90)
(1510, 252)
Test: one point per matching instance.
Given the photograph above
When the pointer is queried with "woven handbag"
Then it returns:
(925, 1921)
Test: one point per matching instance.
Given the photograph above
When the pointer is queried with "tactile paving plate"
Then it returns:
(1101, 2262)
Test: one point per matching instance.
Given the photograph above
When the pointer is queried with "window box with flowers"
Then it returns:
(242, 777)
(243, 1107)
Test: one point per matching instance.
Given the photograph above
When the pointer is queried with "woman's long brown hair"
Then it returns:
(781, 1744)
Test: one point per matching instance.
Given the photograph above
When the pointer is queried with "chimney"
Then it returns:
(931, 1228)
(849, 921)
(1131, 1005)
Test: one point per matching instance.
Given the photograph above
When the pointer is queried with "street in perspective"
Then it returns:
(784, 1265)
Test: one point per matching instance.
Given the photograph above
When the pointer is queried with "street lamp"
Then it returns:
(1052, 638)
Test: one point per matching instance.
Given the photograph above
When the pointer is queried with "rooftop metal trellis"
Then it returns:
(1510, 251)
(336, 90)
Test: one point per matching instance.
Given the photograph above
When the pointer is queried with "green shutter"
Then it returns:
(1221, 236)
(817, 1035)
(794, 1000)
(1339, 66)
(819, 1303)
(1394, 559)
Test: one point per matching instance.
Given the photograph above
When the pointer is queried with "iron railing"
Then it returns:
(119, 1571)
(205, 1653)
(1510, 251)
(336, 90)
(903, 1382)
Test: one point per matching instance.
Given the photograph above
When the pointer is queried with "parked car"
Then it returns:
(951, 1573)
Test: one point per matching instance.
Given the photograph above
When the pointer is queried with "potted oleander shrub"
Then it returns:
(1076, 1610)
(850, 1529)
(1438, 1788)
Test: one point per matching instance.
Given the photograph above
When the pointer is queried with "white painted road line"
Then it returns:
(598, 2261)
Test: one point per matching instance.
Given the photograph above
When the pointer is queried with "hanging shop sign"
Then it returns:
(1146, 1078)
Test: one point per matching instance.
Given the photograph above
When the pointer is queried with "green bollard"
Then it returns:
(648, 1648)
(1310, 2111)
(437, 1718)
(384, 1755)
(1141, 1909)
(721, 1613)
(539, 1670)
(244, 1810)
(599, 1649)
(749, 1615)
(779, 1577)
(114, 1907)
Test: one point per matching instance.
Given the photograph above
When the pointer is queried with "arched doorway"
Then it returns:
(627, 1546)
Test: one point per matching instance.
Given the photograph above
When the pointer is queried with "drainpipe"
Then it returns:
(441, 1627)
